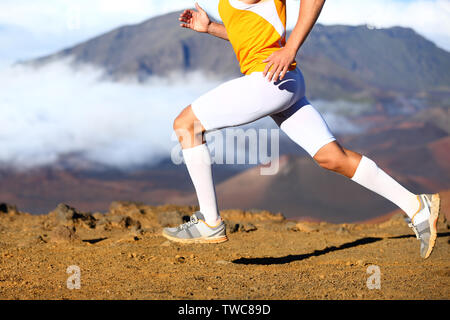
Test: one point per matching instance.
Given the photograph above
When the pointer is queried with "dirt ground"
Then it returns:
(121, 255)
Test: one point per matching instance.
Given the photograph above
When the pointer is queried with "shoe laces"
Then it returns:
(191, 222)
(414, 229)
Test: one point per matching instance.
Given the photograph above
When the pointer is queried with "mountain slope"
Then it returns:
(338, 61)
(393, 58)
(154, 47)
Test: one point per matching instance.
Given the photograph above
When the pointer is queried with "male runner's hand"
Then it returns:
(195, 20)
(278, 63)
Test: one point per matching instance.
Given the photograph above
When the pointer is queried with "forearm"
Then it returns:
(309, 12)
(218, 30)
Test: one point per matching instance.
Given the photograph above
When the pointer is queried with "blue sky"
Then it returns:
(30, 28)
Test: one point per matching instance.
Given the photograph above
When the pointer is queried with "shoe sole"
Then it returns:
(197, 240)
(434, 216)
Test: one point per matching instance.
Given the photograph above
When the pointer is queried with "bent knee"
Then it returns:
(180, 123)
(183, 121)
(187, 120)
(331, 163)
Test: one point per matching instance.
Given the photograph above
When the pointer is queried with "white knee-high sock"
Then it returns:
(369, 175)
(198, 163)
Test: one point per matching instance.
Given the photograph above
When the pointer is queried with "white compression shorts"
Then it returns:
(251, 97)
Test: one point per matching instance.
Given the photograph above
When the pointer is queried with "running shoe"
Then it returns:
(426, 231)
(196, 230)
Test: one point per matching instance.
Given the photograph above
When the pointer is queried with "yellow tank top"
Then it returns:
(255, 30)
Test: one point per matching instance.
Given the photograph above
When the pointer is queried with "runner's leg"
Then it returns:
(305, 126)
(198, 162)
(233, 103)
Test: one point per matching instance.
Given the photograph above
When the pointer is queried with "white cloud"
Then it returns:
(55, 110)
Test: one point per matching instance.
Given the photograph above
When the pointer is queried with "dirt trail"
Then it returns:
(121, 255)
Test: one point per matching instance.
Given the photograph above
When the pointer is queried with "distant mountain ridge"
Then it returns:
(338, 61)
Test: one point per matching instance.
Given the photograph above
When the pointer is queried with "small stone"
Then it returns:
(209, 288)
(321, 276)
(180, 259)
(137, 230)
(232, 227)
(170, 218)
(128, 222)
(98, 215)
(291, 226)
(248, 227)
(165, 244)
(64, 233)
(69, 215)
(306, 227)
(8, 209)
(342, 231)
(128, 238)
(222, 262)
(41, 239)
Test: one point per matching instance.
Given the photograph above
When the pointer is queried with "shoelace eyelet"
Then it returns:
(191, 222)
(414, 229)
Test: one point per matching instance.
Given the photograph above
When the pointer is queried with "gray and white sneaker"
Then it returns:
(197, 231)
(426, 231)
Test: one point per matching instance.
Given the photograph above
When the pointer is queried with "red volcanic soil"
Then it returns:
(440, 150)
(122, 255)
